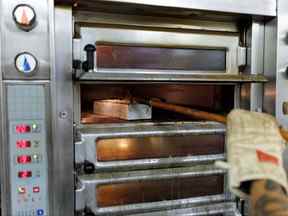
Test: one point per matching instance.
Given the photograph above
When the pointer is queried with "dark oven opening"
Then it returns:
(207, 97)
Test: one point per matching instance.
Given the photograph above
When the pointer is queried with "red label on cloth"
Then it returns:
(265, 157)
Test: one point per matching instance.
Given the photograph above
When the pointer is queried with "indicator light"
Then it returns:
(24, 174)
(23, 144)
(25, 17)
(40, 212)
(24, 159)
(21, 190)
(35, 128)
(36, 189)
(36, 158)
(22, 128)
(26, 64)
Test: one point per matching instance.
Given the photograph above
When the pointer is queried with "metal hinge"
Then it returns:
(76, 133)
(242, 56)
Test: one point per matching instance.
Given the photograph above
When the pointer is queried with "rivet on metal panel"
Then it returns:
(63, 115)
(258, 109)
(285, 108)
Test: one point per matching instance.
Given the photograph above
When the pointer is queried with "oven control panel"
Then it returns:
(28, 149)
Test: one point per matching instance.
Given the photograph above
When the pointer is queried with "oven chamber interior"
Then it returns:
(157, 164)
(164, 164)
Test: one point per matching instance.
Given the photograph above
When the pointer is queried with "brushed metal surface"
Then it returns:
(62, 128)
(36, 42)
(257, 64)
(282, 65)
(168, 76)
(282, 62)
(3, 148)
(255, 7)
(164, 22)
(270, 67)
(144, 37)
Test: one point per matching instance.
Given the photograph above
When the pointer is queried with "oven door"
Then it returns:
(163, 165)
(131, 192)
(150, 145)
(141, 54)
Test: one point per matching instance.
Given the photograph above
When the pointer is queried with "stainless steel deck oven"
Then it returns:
(60, 156)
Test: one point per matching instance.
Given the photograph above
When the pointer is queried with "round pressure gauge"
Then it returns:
(26, 63)
(24, 16)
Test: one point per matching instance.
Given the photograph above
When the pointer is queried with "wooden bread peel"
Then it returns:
(198, 114)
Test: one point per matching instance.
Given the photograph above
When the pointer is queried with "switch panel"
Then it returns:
(28, 149)
(25, 39)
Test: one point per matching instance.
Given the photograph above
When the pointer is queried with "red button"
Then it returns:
(24, 159)
(36, 189)
(23, 144)
(24, 174)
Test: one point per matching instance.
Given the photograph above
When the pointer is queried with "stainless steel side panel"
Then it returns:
(282, 63)
(62, 113)
(3, 151)
(256, 7)
(270, 65)
(86, 149)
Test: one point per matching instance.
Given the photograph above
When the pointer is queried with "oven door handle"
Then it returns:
(81, 188)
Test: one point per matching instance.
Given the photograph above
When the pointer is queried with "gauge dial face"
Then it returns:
(26, 63)
(24, 16)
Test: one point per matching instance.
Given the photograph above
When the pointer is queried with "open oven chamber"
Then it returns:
(162, 165)
(155, 165)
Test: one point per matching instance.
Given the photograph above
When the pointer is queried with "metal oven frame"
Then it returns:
(266, 50)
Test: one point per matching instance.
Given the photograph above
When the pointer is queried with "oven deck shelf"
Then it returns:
(112, 75)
